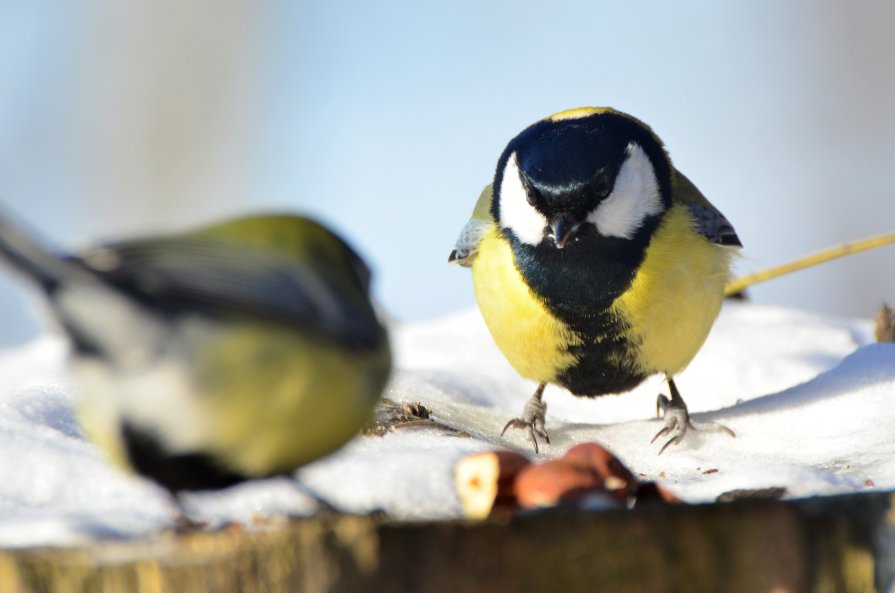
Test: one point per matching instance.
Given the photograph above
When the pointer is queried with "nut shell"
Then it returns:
(555, 482)
(485, 482)
(616, 478)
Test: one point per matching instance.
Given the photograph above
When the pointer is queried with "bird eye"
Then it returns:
(531, 194)
(602, 185)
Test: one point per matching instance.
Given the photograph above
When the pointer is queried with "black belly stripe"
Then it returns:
(601, 371)
(192, 471)
(579, 284)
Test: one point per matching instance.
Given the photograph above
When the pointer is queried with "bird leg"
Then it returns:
(182, 523)
(533, 418)
(677, 419)
(324, 507)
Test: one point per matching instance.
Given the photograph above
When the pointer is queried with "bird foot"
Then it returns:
(181, 523)
(532, 421)
(324, 507)
(184, 525)
(678, 421)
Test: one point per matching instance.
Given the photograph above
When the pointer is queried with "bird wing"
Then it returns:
(708, 220)
(218, 277)
(477, 227)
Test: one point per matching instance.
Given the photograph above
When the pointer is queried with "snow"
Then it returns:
(809, 397)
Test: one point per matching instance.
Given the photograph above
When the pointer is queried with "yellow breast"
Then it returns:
(308, 398)
(259, 400)
(675, 296)
(533, 341)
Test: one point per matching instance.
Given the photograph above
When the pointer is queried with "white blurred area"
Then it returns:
(385, 120)
(121, 118)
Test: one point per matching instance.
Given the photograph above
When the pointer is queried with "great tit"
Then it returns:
(598, 264)
(241, 350)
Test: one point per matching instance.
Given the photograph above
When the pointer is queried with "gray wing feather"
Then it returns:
(468, 242)
(214, 277)
(708, 220)
(711, 223)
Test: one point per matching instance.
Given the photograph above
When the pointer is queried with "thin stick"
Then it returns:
(739, 284)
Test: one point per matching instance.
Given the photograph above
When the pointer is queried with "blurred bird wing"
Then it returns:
(477, 227)
(217, 277)
(708, 220)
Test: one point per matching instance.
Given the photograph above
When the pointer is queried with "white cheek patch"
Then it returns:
(634, 197)
(516, 214)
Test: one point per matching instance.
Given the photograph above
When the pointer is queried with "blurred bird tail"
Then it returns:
(25, 253)
(97, 318)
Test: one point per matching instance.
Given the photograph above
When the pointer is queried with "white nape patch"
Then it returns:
(634, 197)
(516, 214)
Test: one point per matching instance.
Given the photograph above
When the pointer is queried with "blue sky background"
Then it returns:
(385, 119)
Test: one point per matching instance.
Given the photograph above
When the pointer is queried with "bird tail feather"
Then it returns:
(25, 253)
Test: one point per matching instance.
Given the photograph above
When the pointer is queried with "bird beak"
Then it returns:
(563, 228)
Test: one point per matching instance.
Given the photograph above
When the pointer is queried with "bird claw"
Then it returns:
(709, 426)
(677, 422)
(531, 431)
(532, 421)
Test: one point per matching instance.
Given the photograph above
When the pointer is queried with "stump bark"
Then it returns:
(833, 544)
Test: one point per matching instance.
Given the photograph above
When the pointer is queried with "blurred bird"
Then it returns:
(596, 263)
(241, 350)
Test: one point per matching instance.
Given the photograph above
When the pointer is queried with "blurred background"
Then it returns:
(385, 119)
